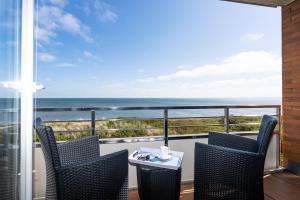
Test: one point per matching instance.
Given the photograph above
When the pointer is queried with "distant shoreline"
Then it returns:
(145, 102)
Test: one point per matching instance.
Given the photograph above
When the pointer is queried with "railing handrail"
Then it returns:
(165, 110)
(111, 108)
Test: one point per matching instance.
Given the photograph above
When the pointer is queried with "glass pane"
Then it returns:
(9, 97)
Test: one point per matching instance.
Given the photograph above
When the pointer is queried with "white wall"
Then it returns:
(186, 146)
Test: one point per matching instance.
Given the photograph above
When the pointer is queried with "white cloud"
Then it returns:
(253, 36)
(67, 65)
(46, 57)
(105, 12)
(44, 34)
(101, 10)
(181, 67)
(87, 54)
(246, 74)
(73, 25)
(92, 56)
(70, 23)
(242, 64)
(53, 18)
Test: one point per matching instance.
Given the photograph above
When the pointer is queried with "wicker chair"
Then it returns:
(232, 167)
(75, 170)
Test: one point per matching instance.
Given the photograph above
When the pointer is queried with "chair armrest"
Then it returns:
(105, 177)
(233, 141)
(229, 172)
(79, 150)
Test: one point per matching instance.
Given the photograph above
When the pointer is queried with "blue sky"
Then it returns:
(170, 48)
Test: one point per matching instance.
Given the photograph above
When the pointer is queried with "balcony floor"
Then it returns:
(283, 186)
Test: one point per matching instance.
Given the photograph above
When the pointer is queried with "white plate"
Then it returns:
(165, 158)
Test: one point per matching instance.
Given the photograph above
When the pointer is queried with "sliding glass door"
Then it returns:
(16, 87)
(10, 74)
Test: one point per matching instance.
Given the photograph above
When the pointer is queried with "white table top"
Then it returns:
(173, 163)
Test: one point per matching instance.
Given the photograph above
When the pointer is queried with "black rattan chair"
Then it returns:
(75, 170)
(232, 167)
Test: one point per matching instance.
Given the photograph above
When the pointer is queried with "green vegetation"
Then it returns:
(140, 127)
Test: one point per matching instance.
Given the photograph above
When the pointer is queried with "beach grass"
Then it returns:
(134, 127)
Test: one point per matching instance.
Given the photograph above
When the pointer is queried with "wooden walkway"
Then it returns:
(283, 186)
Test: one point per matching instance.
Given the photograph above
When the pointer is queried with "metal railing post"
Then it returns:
(166, 127)
(226, 119)
(93, 122)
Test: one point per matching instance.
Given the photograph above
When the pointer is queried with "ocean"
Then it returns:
(108, 102)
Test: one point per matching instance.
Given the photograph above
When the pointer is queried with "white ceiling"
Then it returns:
(272, 3)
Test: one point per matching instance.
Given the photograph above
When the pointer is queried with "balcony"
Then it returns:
(18, 56)
(181, 142)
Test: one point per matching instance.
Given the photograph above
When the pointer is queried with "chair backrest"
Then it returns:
(52, 160)
(267, 127)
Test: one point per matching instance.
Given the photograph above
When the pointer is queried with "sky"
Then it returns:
(157, 49)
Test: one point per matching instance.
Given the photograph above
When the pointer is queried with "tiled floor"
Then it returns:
(283, 186)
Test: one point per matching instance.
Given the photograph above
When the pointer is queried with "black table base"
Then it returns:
(157, 183)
